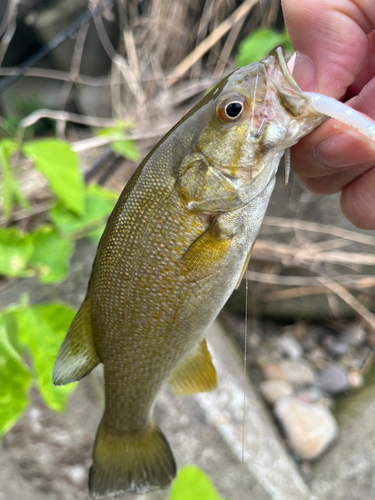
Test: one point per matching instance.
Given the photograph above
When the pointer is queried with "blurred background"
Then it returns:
(87, 88)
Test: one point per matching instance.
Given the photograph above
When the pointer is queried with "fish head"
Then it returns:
(257, 112)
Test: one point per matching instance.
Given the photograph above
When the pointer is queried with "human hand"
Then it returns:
(335, 40)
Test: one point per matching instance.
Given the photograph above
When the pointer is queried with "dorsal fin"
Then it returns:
(196, 374)
(77, 355)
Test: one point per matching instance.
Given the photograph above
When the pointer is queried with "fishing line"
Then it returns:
(246, 303)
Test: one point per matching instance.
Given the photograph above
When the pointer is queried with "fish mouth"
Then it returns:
(279, 54)
(291, 97)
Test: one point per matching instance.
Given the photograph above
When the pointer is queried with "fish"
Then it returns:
(175, 247)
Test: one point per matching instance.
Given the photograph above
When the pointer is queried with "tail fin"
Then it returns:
(77, 355)
(135, 462)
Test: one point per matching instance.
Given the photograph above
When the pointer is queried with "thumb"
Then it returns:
(331, 40)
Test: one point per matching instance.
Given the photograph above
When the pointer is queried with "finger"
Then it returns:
(358, 201)
(334, 147)
(334, 37)
(367, 72)
(334, 183)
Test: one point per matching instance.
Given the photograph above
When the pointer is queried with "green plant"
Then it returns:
(192, 483)
(30, 335)
(259, 43)
(34, 333)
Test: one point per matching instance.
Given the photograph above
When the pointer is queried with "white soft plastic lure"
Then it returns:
(330, 107)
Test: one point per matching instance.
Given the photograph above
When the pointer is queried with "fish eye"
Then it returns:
(231, 108)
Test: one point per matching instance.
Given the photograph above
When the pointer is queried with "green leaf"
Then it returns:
(42, 329)
(51, 255)
(15, 381)
(15, 251)
(192, 483)
(59, 164)
(257, 45)
(126, 148)
(98, 205)
(11, 192)
(118, 128)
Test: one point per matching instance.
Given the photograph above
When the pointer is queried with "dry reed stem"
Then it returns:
(319, 228)
(11, 18)
(296, 255)
(65, 116)
(54, 74)
(354, 303)
(210, 41)
(354, 281)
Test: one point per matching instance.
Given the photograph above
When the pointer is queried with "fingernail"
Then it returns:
(345, 149)
(304, 73)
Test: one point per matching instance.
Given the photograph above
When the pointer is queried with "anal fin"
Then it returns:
(203, 257)
(77, 355)
(196, 374)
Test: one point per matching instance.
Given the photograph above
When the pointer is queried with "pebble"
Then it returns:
(310, 428)
(76, 473)
(297, 373)
(310, 395)
(354, 335)
(334, 347)
(318, 357)
(289, 346)
(272, 390)
(334, 379)
(355, 379)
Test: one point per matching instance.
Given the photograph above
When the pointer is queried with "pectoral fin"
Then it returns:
(196, 374)
(77, 355)
(245, 266)
(203, 257)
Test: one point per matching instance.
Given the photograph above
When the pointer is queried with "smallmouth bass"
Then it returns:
(175, 246)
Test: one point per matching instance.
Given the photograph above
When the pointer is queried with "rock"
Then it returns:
(355, 379)
(297, 373)
(318, 357)
(310, 428)
(272, 390)
(354, 335)
(76, 473)
(270, 370)
(334, 379)
(334, 347)
(310, 395)
(289, 346)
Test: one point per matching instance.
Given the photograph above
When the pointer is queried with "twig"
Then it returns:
(292, 293)
(308, 281)
(227, 49)
(354, 303)
(75, 64)
(4, 21)
(54, 74)
(210, 41)
(296, 255)
(90, 121)
(122, 66)
(52, 44)
(11, 28)
(319, 228)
